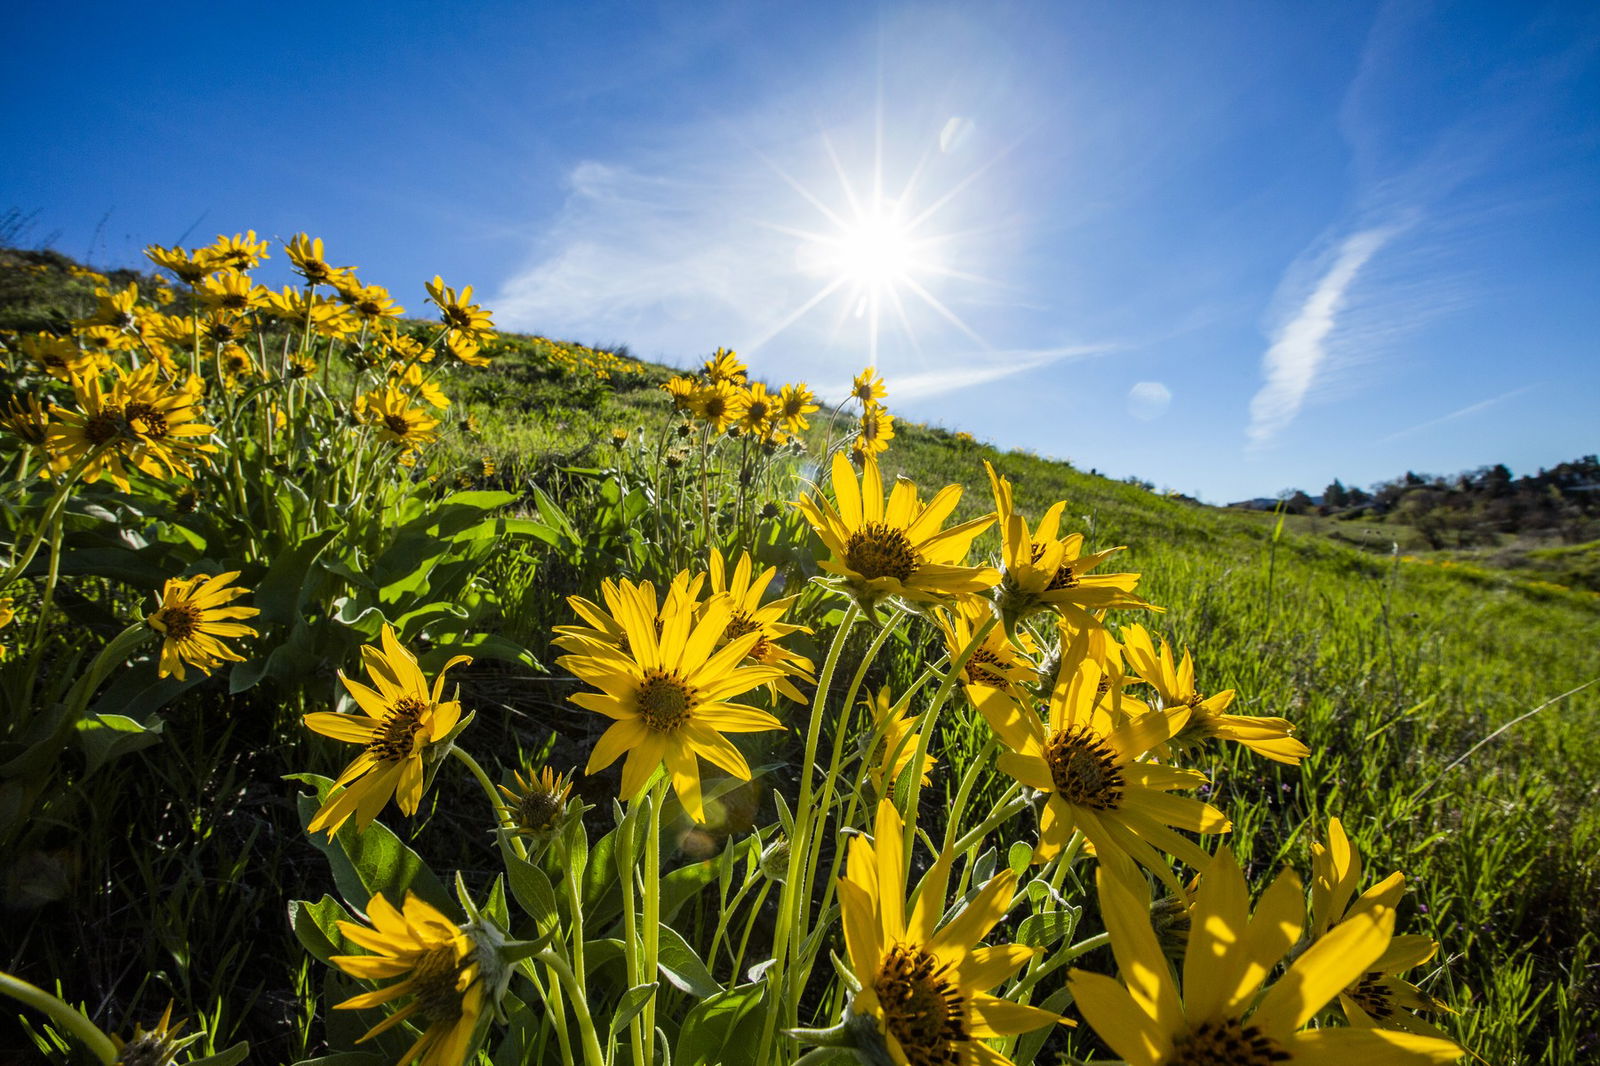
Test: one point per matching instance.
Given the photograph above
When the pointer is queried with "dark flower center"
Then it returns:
(399, 425)
(395, 737)
(538, 811)
(1228, 1042)
(179, 621)
(876, 550)
(922, 1006)
(103, 427)
(665, 701)
(433, 982)
(1083, 769)
(146, 419)
(1063, 579)
(978, 671)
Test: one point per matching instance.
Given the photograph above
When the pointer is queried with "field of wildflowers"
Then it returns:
(396, 690)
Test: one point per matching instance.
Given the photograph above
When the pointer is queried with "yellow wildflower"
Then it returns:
(401, 719)
(194, 619)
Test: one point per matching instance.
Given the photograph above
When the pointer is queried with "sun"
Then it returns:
(875, 252)
(878, 253)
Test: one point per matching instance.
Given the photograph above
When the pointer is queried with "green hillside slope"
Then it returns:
(1451, 710)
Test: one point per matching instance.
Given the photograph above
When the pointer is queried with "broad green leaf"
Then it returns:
(722, 1028)
(109, 736)
(281, 593)
(1042, 930)
(684, 884)
(367, 863)
(531, 888)
(315, 926)
(682, 966)
(632, 1002)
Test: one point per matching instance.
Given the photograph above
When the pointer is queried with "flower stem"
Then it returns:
(489, 791)
(652, 912)
(592, 1056)
(782, 997)
(925, 730)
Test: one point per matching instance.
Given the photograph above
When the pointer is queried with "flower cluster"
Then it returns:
(721, 399)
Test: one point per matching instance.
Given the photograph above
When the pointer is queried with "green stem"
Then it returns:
(789, 900)
(1010, 804)
(52, 512)
(493, 796)
(652, 912)
(626, 860)
(592, 1055)
(62, 1014)
(842, 729)
(575, 904)
(46, 599)
(969, 781)
(925, 730)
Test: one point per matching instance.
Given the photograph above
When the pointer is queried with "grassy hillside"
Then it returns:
(1444, 704)
(1397, 667)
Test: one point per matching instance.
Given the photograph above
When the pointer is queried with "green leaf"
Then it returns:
(282, 591)
(495, 646)
(682, 966)
(632, 1002)
(368, 863)
(315, 925)
(602, 893)
(530, 887)
(576, 837)
(1018, 857)
(345, 1058)
(684, 884)
(109, 736)
(1030, 1044)
(729, 1021)
(1043, 929)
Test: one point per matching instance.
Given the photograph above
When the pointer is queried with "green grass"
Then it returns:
(168, 874)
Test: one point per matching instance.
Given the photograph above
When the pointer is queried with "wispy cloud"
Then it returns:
(999, 365)
(1299, 348)
(1416, 177)
(1470, 409)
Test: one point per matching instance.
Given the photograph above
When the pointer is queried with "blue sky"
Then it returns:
(1230, 248)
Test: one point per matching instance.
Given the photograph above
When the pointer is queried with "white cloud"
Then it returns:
(1149, 400)
(1300, 346)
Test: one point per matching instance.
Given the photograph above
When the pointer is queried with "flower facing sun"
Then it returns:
(1089, 769)
(140, 421)
(1045, 571)
(1174, 682)
(398, 422)
(669, 694)
(745, 589)
(896, 548)
(1379, 998)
